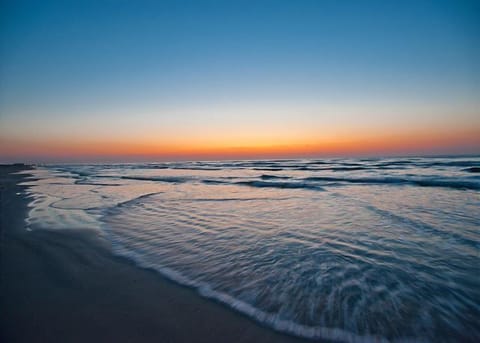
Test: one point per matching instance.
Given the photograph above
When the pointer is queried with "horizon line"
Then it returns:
(329, 157)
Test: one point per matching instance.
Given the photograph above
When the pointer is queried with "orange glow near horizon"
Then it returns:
(412, 142)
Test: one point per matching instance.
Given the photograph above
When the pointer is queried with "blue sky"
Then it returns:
(110, 68)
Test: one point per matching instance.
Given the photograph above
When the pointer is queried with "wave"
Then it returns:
(394, 163)
(273, 177)
(345, 168)
(453, 164)
(195, 168)
(348, 168)
(455, 184)
(267, 184)
(472, 170)
(286, 185)
(268, 169)
(170, 179)
(460, 184)
(235, 199)
(275, 181)
(269, 319)
(158, 167)
(318, 162)
(307, 168)
(215, 182)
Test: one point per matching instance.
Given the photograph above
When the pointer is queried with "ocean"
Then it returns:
(379, 249)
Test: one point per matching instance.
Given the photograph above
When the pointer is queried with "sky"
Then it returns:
(125, 80)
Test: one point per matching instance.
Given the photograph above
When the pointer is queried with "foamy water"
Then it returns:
(347, 249)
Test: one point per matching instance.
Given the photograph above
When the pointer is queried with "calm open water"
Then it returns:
(345, 249)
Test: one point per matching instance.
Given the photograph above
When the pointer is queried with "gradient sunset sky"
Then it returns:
(166, 80)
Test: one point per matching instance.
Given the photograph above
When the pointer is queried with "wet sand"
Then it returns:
(67, 286)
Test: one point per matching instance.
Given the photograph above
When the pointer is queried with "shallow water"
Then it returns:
(346, 249)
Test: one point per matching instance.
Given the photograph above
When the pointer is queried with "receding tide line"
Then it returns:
(268, 319)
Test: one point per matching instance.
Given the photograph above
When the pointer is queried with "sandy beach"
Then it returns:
(67, 286)
(240, 171)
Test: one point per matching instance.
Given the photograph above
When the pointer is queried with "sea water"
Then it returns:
(345, 249)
